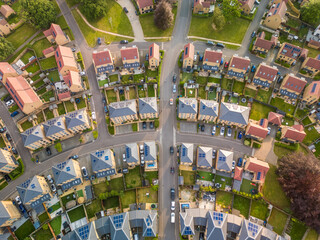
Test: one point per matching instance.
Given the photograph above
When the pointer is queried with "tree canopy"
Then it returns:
(6, 48)
(163, 16)
(218, 19)
(94, 8)
(231, 9)
(40, 13)
(299, 176)
(310, 12)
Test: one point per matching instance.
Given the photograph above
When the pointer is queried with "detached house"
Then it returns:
(275, 15)
(65, 60)
(130, 58)
(5, 27)
(154, 56)
(148, 108)
(34, 138)
(103, 163)
(204, 157)
(257, 130)
(7, 162)
(150, 155)
(275, 118)
(258, 168)
(132, 154)
(261, 45)
(6, 11)
(123, 111)
(264, 76)
(103, 62)
(233, 114)
(55, 35)
(201, 6)
(74, 82)
(9, 213)
(291, 87)
(292, 134)
(312, 93)
(212, 60)
(145, 6)
(224, 161)
(188, 55)
(238, 67)
(188, 108)
(290, 53)
(208, 110)
(247, 6)
(186, 154)
(311, 66)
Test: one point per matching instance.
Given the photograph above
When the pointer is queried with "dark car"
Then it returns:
(151, 125)
(172, 194)
(147, 57)
(8, 137)
(48, 151)
(220, 45)
(240, 135)
(124, 42)
(171, 150)
(99, 41)
(144, 125)
(104, 100)
(125, 10)
(280, 78)
(15, 113)
(105, 109)
(7, 178)
(2, 130)
(253, 34)
(202, 128)
(172, 170)
(14, 151)
(174, 79)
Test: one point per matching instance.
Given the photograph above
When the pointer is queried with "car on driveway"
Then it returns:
(213, 132)
(15, 113)
(147, 57)
(84, 172)
(53, 188)
(210, 43)
(233, 164)
(269, 130)
(9, 103)
(151, 125)
(226, 64)
(253, 34)
(14, 151)
(124, 42)
(18, 200)
(202, 128)
(220, 45)
(2, 130)
(49, 178)
(229, 132)
(171, 150)
(222, 131)
(48, 151)
(8, 137)
(125, 10)
(239, 162)
(240, 135)
(144, 125)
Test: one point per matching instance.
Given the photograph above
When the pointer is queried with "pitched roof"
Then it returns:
(101, 160)
(290, 50)
(239, 62)
(238, 173)
(188, 51)
(294, 83)
(148, 105)
(313, 63)
(120, 229)
(122, 108)
(250, 230)
(85, 232)
(48, 50)
(212, 56)
(250, 3)
(224, 161)
(263, 43)
(65, 171)
(280, 9)
(4, 213)
(54, 126)
(313, 89)
(72, 78)
(255, 165)
(188, 105)
(76, 118)
(266, 72)
(5, 67)
(275, 118)
(209, 108)
(186, 153)
(32, 135)
(154, 51)
(234, 113)
(132, 153)
(150, 152)
(144, 3)
(129, 53)
(314, 43)
(216, 225)
(295, 132)
(64, 95)
(102, 58)
(204, 157)
(145, 219)
(64, 55)
(5, 10)
(3, 158)
(259, 130)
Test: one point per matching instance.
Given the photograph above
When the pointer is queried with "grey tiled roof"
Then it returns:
(122, 232)
(145, 219)
(204, 157)
(186, 153)
(186, 224)
(32, 135)
(234, 113)
(132, 153)
(224, 161)
(267, 234)
(148, 105)
(150, 152)
(217, 225)
(101, 160)
(76, 118)
(188, 105)
(65, 171)
(123, 108)
(4, 215)
(209, 108)
(234, 223)
(85, 232)
(3, 159)
(250, 232)
(54, 126)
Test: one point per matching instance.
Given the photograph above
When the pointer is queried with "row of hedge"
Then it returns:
(292, 146)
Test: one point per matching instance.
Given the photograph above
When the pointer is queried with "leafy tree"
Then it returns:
(310, 12)
(94, 8)
(6, 48)
(163, 16)
(45, 226)
(40, 13)
(218, 19)
(299, 176)
(102, 196)
(231, 9)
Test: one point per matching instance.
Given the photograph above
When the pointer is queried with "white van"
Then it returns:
(173, 217)
(173, 205)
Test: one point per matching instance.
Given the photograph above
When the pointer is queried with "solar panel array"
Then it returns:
(253, 228)
(61, 165)
(26, 183)
(148, 221)
(128, 152)
(99, 154)
(202, 155)
(146, 150)
(187, 231)
(218, 216)
(149, 232)
(222, 159)
(184, 151)
(84, 232)
(118, 220)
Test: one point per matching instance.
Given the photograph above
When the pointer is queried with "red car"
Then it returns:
(226, 64)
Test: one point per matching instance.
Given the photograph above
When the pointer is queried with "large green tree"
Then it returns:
(40, 13)
(310, 12)
(218, 19)
(163, 16)
(231, 9)
(93, 9)
(6, 48)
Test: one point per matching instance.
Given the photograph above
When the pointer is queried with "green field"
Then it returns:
(259, 111)
(76, 214)
(21, 34)
(277, 220)
(259, 209)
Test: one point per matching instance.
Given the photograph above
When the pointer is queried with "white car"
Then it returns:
(10, 102)
(213, 132)
(142, 159)
(53, 188)
(50, 178)
(173, 205)
(269, 130)
(93, 114)
(173, 217)
(141, 148)
(233, 164)
(222, 131)
(171, 101)
(84, 171)
(18, 200)
(124, 157)
(174, 88)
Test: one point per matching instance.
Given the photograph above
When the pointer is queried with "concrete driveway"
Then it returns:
(134, 20)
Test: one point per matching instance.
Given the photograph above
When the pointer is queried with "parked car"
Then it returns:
(9, 103)
(144, 125)
(220, 45)
(210, 43)
(214, 152)
(124, 157)
(18, 200)
(124, 42)
(171, 150)
(125, 10)
(172, 194)
(93, 114)
(174, 78)
(222, 131)
(269, 130)
(240, 162)
(99, 41)
(173, 217)
(233, 164)
(48, 151)
(141, 148)
(136, 13)
(73, 49)
(2, 130)
(280, 78)
(75, 157)
(226, 64)
(173, 205)
(229, 132)
(172, 170)
(53, 188)
(202, 128)
(105, 109)
(14, 151)
(142, 159)
(7, 178)
(7, 98)
(171, 101)
(84, 172)
(253, 68)
(8, 137)
(15, 113)
(213, 132)
(174, 88)
(253, 34)
(151, 125)
(240, 135)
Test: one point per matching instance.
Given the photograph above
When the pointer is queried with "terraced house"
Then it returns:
(312, 93)
(224, 161)
(8, 213)
(263, 46)
(291, 87)
(154, 56)
(103, 163)
(55, 129)
(201, 6)
(212, 60)
(103, 62)
(187, 57)
(130, 58)
(204, 157)
(238, 68)
(290, 53)
(124, 111)
(77, 121)
(276, 15)
(233, 114)
(145, 6)
(186, 154)
(55, 35)
(208, 110)
(35, 138)
(65, 60)
(257, 130)
(7, 162)
(148, 108)
(74, 82)
(292, 134)
(264, 76)
(311, 66)
(188, 108)
(34, 192)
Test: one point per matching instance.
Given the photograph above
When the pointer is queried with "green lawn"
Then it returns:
(48, 63)
(191, 92)
(297, 229)
(40, 117)
(67, 198)
(76, 214)
(54, 76)
(33, 68)
(238, 87)
(186, 76)
(91, 35)
(224, 199)
(81, 104)
(42, 234)
(301, 113)
(111, 202)
(232, 32)
(312, 235)
(242, 204)
(38, 84)
(132, 93)
(61, 109)
(61, 21)
(111, 95)
(25, 57)
(13, 108)
(212, 95)
(279, 103)
(133, 178)
(103, 82)
(151, 92)
(40, 45)
(247, 187)
(46, 96)
(278, 220)
(128, 198)
(69, 106)
(312, 135)
(188, 177)
(306, 121)
(259, 111)
(43, 217)
(224, 181)
(202, 80)
(259, 209)
(150, 29)
(24, 230)
(21, 34)
(93, 208)
(226, 84)
(26, 125)
(114, 77)
(56, 225)
(71, 2)
(263, 95)
(273, 192)
(250, 92)
(54, 207)
(202, 92)
(141, 92)
(2, 143)
(206, 176)
(151, 74)
(114, 184)
(214, 80)
(151, 175)
(147, 195)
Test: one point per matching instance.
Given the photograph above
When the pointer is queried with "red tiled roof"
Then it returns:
(314, 43)
(5, 67)
(238, 173)
(255, 165)
(287, 50)
(3, 22)
(155, 51)
(65, 56)
(47, 32)
(102, 58)
(275, 118)
(239, 63)
(314, 63)
(53, 28)
(48, 50)
(281, 9)
(188, 51)
(5, 9)
(262, 43)
(274, 39)
(257, 130)
(296, 132)
(266, 72)
(129, 53)
(144, 3)
(206, 4)
(64, 95)
(72, 78)
(212, 56)
(294, 84)
(250, 3)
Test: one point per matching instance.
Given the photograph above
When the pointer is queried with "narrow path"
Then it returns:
(214, 40)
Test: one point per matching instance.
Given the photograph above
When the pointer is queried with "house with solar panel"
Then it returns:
(103, 62)
(34, 138)
(264, 76)
(233, 114)
(186, 154)
(187, 57)
(130, 58)
(55, 129)
(290, 53)
(148, 108)
(257, 130)
(208, 110)
(211, 60)
(8, 213)
(257, 168)
(150, 156)
(238, 67)
(146, 221)
(250, 230)
(188, 109)
(67, 174)
(291, 87)
(154, 56)
(132, 154)
(103, 163)
(216, 225)
(85, 232)
(204, 157)
(224, 161)
(7, 161)
(77, 121)
(312, 93)
(123, 111)
(34, 192)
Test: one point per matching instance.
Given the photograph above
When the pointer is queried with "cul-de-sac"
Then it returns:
(160, 119)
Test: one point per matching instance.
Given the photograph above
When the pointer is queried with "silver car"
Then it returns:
(174, 88)
(222, 131)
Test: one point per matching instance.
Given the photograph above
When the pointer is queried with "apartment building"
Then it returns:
(55, 129)
(65, 60)
(77, 121)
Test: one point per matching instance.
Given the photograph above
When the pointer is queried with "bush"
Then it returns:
(58, 147)
(180, 62)
(256, 145)
(45, 226)
(292, 146)
(247, 142)
(156, 123)
(95, 134)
